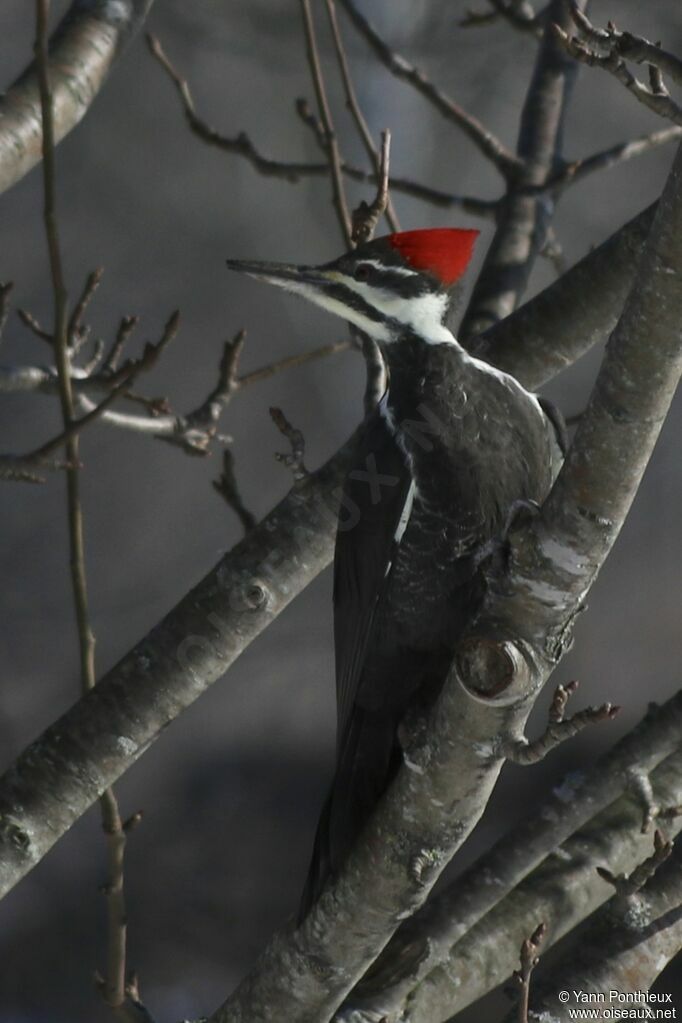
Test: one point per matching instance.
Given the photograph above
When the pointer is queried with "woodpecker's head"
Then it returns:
(388, 287)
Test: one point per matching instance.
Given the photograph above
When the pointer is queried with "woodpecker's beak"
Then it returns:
(284, 275)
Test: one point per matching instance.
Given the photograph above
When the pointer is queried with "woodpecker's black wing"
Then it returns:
(375, 495)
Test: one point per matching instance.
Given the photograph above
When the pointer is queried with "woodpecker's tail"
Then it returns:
(368, 759)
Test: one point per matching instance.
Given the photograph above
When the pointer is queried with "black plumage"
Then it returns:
(472, 443)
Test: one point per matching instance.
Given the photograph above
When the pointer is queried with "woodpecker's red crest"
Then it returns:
(444, 252)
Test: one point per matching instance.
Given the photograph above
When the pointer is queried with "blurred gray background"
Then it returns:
(231, 792)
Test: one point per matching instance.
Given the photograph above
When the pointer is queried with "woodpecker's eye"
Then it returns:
(363, 272)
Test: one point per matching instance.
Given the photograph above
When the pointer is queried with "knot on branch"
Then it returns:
(493, 670)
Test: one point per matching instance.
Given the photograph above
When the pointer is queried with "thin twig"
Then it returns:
(609, 49)
(29, 320)
(226, 486)
(75, 333)
(115, 981)
(367, 215)
(529, 960)
(628, 885)
(293, 460)
(291, 361)
(353, 105)
(292, 172)
(559, 728)
(576, 170)
(5, 290)
(491, 147)
(332, 146)
(37, 459)
(208, 413)
(125, 329)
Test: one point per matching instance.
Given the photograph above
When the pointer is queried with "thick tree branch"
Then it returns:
(444, 940)
(628, 943)
(84, 752)
(569, 317)
(564, 889)
(83, 50)
(523, 221)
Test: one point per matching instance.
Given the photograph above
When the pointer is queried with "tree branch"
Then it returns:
(330, 141)
(485, 141)
(291, 171)
(615, 48)
(523, 220)
(564, 889)
(508, 887)
(628, 943)
(380, 165)
(90, 38)
(568, 318)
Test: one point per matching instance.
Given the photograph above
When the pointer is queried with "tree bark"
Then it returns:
(83, 50)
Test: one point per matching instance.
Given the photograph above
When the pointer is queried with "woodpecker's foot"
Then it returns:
(520, 513)
(496, 550)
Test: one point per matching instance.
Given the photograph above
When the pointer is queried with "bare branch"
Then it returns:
(294, 460)
(331, 143)
(67, 337)
(125, 329)
(87, 43)
(367, 215)
(5, 290)
(379, 161)
(76, 335)
(627, 943)
(559, 728)
(582, 308)
(523, 220)
(207, 416)
(576, 170)
(226, 486)
(491, 147)
(627, 885)
(529, 960)
(462, 943)
(520, 15)
(632, 47)
(29, 321)
(242, 145)
(610, 48)
(292, 361)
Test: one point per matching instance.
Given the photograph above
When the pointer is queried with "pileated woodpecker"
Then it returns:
(453, 447)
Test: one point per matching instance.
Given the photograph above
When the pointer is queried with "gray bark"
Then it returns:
(627, 946)
(429, 962)
(83, 49)
(562, 891)
(525, 213)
